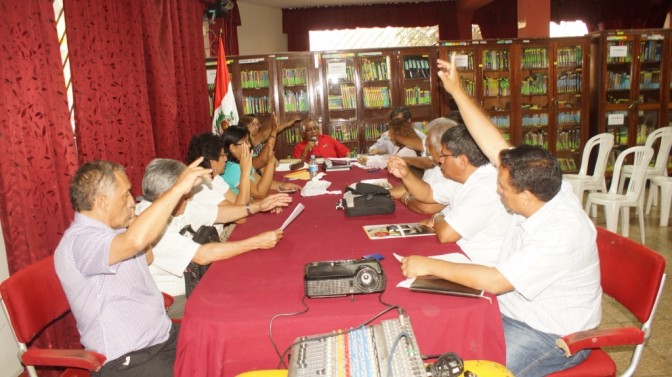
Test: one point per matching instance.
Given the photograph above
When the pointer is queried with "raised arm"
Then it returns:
(144, 230)
(486, 135)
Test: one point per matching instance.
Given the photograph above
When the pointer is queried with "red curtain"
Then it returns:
(298, 22)
(36, 140)
(139, 80)
(38, 153)
(615, 14)
(498, 19)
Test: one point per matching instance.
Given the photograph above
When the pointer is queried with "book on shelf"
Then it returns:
(379, 232)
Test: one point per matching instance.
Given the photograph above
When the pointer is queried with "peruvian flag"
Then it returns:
(225, 112)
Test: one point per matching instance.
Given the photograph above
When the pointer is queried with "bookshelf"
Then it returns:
(630, 98)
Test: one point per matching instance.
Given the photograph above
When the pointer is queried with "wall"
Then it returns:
(261, 30)
(8, 349)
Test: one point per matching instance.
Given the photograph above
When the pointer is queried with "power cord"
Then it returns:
(270, 328)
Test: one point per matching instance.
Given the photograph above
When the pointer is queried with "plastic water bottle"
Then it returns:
(312, 166)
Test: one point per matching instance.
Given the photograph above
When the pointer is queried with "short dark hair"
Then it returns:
(403, 110)
(401, 127)
(92, 179)
(247, 119)
(207, 145)
(233, 135)
(458, 140)
(534, 169)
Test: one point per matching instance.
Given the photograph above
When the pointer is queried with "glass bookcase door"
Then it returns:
(650, 89)
(341, 87)
(534, 90)
(569, 103)
(496, 88)
(255, 86)
(376, 86)
(418, 83)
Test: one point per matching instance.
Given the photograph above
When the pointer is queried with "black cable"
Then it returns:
(270, 329)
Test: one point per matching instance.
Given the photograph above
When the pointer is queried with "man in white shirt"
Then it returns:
(173, 251)
(474, 218)
(547, 276)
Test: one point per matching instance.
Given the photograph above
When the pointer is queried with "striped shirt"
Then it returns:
(118, 308)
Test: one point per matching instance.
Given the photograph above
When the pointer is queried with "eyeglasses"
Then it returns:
(446, 155)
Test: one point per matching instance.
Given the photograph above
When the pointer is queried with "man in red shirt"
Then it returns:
(314, 143)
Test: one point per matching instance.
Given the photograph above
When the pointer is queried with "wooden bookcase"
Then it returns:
(630, 92)
(534, 90)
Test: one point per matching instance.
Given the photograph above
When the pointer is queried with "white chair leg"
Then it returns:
(642, 229)
(653, 187)
(611, 215)
(625, 221)
(665, 201)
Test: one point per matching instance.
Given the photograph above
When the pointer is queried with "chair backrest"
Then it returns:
(604, 142)
(631, 273)
(665, 136)
(641, 157)
(33, 298)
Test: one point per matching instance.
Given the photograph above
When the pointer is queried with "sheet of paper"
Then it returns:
(298, 174)
(451, 257)
(297, 211)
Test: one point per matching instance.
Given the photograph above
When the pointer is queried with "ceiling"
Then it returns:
(318, 3)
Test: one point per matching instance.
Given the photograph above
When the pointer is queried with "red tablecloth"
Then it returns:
(225, 330)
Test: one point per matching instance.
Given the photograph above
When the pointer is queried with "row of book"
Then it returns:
(500, 121)
(570, 57)
(373, 131)
(345, 132)
(536, 84)
(294, 76)
(416, 67)
(496, 60)
(569, 82)
(567, 164)
(469, 60)
(468, 85)
(377, 97)
(375, 71)
(619, 58)
(293, 135)
(652, 52)
(254, 79)
(347, 99)
(535, 120)
(569, 117)
(256, 105)
(649, 79)
(417, 96)
(618, 80)
(348, 76)
(296, 101)
(496, 86)
(533, 58)
(568, 140)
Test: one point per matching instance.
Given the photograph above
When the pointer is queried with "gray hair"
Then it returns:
(436, 129)
(160, 175)
(92, 179)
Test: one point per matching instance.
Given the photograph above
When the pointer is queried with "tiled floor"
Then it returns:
(657, 357)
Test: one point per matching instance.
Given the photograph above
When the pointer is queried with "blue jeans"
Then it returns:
(531, 353)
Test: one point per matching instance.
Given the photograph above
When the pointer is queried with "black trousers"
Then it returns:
(157, 360)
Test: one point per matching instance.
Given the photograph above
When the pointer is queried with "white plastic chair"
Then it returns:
(660, 166)
(665, 184)
(616, 201)
(582, 181)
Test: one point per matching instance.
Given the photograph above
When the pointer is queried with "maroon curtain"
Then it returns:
(296, 23)
(139, 80)
(36, 139)
(38, 154)
(499, 19)
(614, 14)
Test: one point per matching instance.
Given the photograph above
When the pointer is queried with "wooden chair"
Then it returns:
(634, 276)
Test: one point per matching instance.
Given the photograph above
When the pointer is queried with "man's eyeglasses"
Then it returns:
(446, 155)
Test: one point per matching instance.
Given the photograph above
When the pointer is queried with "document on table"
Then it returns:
(451, 257)
(297, 211)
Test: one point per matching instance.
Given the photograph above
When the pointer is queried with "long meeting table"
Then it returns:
(226, 327)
